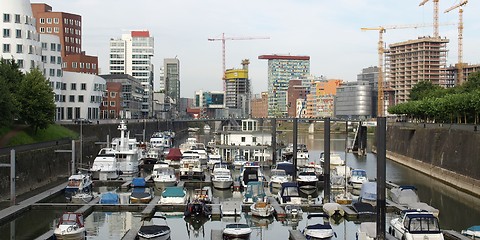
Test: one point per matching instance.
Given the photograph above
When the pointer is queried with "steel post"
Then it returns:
(73, 157)
(295, 143)
(274, 141)
(381, 176)
(326, 158)
(12, 178)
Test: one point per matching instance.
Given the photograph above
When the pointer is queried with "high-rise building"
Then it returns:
(171, 76)
(132, 54)
(412, 61)
(296, 91)
(19, 39)
(281, 69)
(237, 89)
(452, 73)
(68, 27)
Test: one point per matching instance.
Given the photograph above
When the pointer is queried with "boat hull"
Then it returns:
(164, 184)
(72, 235)
(222, 184)
(263, 211)
(307, 187)
(319, 233)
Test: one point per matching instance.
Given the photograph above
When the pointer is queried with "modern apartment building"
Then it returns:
(237, 90)
(452, 73)
(68, 27)
(171, 76)
(320, 98)
(132, 54)
(412, 61)
(84, 94)
(130, 97)
(296, 91)
(52, 69)
(281, 69)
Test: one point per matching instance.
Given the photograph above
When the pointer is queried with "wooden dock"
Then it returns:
(150, 209)
(231, 208)
(296, 235)
(216, 211)
(131, 234)
(11, 212)
(126, 185)
(216, 234)
(279, 211)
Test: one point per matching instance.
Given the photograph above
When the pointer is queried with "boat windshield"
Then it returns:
(69, 219)
(279, 173)
(426, 224)
(359, 173)
(290, 191)
(74, 182)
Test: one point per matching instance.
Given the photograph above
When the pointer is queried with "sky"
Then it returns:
(327, 31)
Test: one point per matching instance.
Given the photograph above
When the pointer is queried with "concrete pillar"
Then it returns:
(311, 128)
(381, 137)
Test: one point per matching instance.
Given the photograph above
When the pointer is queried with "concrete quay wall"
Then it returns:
(39, 165)
(450, 155)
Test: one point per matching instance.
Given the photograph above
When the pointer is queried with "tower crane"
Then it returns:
(435, 16)
(224, 39)
(381, 50)
(460, 38)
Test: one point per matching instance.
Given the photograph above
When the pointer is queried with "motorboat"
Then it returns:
(239, 161)
(127, 152)
(307, 182)
(190, 166)
(344, 198)
(289, 194)
(173, 195)
(319, 230)
(363, 208)
(78, 183)
(414, 224)
(173, 157)
(148, 162)
(254, 192)
(335, 160)
(157, 228)
(140, 192)
(222, 178)
(187, 145)
(105, 166)
(424, 206)
(472, 232)
(261, 208)
(368, 193)
(81, 197)
(197, 208)
(109, 198)
(358, 177)
(236, 231)
(203, 194)
(367, 231)
(337, 182)
(404, 195)
(213, 159)
(288, 167)
(293, 211)
(70, 226)
(163, 176)
(316, 168)
(333, 208)
(277, 177)
(202, 152)
(251, 173)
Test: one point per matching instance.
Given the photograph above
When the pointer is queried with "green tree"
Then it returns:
(472, 84)
(10, 71)
(424, 89)
(12, 77)
(36, 100)
(7, 105)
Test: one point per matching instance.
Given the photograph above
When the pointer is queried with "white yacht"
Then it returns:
(277, 177)
(213, 159)
(187, 145)
(126, 151)
(335, 160)
(202, 152)
(358, 177)
(222, 177)
(163, 176)
(105, 165)
(190, 166)
(307, 181)
(414, 224)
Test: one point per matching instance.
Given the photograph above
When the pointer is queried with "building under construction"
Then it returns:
(237, 89)
(412, 61)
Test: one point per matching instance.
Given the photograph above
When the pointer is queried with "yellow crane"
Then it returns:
(460, 38)
(381, 50)
(435, 16)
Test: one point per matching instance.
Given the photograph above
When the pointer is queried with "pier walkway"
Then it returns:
(11, 212)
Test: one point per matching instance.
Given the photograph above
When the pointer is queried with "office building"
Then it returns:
(129, 102)
(281, 69)
(171, 76)
(296, 98)
(259, 105)
(353, 101)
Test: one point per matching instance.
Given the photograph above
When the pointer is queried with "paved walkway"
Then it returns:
(23, 206)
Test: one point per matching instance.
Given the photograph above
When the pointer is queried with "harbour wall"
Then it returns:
(448, 153)
(38, 165)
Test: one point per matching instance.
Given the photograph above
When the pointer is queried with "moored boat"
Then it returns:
(173, 195)
(414, 224)
(319, 230)
(358, 177)
(367, 231)
(307, 182)
(163, 176)
(236, 231)
(253, 192)
(157, 228)
(261, 208)
(78, 183)
(277, 177)
(140, 192)
(289, 194)
(404, 195)
(368, 193)
(197, 208)
(251, 173)
(332, 208)
(473, 232)
(109, 198)
(222, 178)
(70, 226)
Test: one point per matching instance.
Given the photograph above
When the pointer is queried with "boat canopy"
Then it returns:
(109, 198)
(255, 190)
(138, 182)
(173, 192)
(369, 191)
(174, 154)
(287, 166)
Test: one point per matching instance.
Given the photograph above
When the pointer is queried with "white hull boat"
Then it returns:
(261, 209)
(222, 178)
(70, 227)
(404, 195)
(472, 232)
(278, 176)
(319, 230)
(413, 224)
(236, 231)
(307, 182)
(156, 229)
(173, 195)
(163, 176)
(367, 231)
(81, 198)
(357, 178)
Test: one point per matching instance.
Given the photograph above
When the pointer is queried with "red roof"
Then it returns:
(140, 34)
(174, 154)
(283, 57)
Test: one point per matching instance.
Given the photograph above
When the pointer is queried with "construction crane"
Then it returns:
(435, 16)
(460, 38)
(381, 50)
(224, 39)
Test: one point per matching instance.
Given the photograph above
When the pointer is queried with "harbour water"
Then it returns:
(457, 210)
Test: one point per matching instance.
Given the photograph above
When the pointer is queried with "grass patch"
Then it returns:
(4, 130)
(52, 133)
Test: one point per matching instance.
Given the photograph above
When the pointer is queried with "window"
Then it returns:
(55, 20)
(59, 47)
(56, 30)
(94, 66)
(80, 98)
(72, 98)
(53, 47)
(88, 65)
(20, 63)
(66, 39)
(19, 48)
(42, 20)
(53, 59)
(30, 49)
(49, 20)
(59, 60)
(66, 30)
(67, 48)
(52, 72)
(243, 139)
(64, 86)
(112, 104)
(6, 33)
(44, 46)
(44, 59)
(58, 85)
(92, 99)
(6, 17)
(105, 103)
(6, 48)
(17, 18)
(113, 94)
(59, 73)
(73, 86)
(74, 64)
(71, 21)
(49, 29)
(19, 33)
(83, 86)
(82, 65)
(42, 30)
(65, 21)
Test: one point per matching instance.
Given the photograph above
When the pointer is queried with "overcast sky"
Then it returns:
(327, 31)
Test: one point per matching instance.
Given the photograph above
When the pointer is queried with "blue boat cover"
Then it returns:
(138, 182)
(287, 166)
(474, 228)
(173, 192)
(109, 198)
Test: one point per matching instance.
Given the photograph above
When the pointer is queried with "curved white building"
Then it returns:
(81, 96)
(19, 38)
(52, 67)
